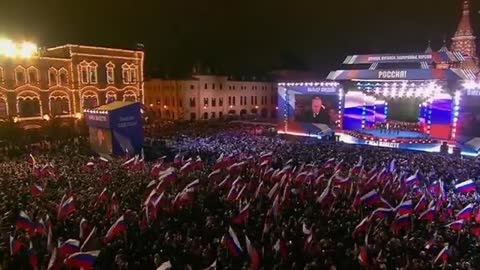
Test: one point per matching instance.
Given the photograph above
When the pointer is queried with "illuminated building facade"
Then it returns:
(64, 80)
(203, 97)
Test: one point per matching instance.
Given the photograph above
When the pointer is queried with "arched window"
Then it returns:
(3, 107)
(52, 76)
(110, 97)
(130, 96)
(33, 75)
(63, 76)
(28, 104)
(125, 73)
(88, 72)
(89, 100)
(129, 73)
(110, 73)
(20, 75)
(59, 103)
(92, 71)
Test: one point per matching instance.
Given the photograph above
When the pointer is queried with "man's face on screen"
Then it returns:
(316, 105)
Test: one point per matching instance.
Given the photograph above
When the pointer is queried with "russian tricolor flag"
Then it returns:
(231, 240)
(82, 260)
(117, 228)
(36, 190)
(69, 247)
(442, 255)
(253, 253)
(405, 207)
(382, 212)
(428, 215)
(421, 204)
(14, 246)
(465, 187)
(330, 163)
(465, 213)
(413, 179)
(456, 225)
(242, 215)
(65, 208)
(370, 198)
(402, 221)
(361, 227)
(23, 221)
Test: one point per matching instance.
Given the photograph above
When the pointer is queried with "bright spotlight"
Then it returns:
(28, 49)
(7, 48)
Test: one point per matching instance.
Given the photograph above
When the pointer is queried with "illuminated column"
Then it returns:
(386, 110)
(364, 111)
(429, 116)
(456, 108)
(340, 100)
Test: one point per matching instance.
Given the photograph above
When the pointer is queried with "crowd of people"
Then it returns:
(233, 200)
(394, 127)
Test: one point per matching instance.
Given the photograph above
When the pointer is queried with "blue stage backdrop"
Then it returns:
(115, 128)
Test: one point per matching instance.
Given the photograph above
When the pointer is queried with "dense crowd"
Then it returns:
(259, 203)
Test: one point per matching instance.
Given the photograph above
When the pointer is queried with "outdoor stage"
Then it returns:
(433, 107)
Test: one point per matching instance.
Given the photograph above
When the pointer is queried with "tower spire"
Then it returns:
(464, 41)
(429, 47)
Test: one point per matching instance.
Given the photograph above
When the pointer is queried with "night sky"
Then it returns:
(246, 36)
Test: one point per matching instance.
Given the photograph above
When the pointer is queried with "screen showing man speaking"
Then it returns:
(317, 109)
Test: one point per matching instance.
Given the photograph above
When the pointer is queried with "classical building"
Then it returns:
(64, 80)
(210, 97)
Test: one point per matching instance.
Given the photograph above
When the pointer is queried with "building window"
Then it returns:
(251, 100)
(192, 87)
(110, 73)
(272, 100)
(220, 114)
(212, 115)
(205, 102)
(234, 87)
(220, 102)
(221, 86)
(233, 100)
(193, 116)
(214, 102)
(159, 102)
(129, 73)
(63, 76)
(205, 115)
(88, 72)
(20, 74)
(52, 76)
(241, 100)
(192, 102)
(213, 86)
(206, 86)
(33, 76)
(255, 100)
(229, 100)
(173, 101)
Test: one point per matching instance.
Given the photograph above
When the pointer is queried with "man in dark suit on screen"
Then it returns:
(317, 114)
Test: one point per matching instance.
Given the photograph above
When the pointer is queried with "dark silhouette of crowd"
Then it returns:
(297, 201)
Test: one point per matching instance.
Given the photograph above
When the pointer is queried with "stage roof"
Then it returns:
(431, 57)
(113, 106)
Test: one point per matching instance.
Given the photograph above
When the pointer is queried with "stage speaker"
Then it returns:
(444, 148)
